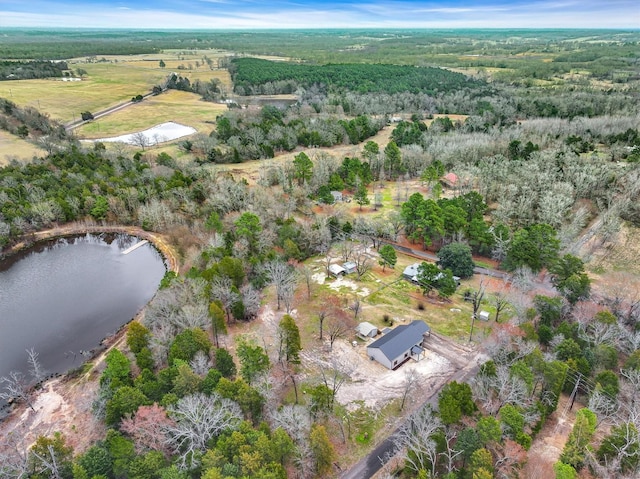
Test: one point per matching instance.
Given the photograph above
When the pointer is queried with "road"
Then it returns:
(432, 257)
(466, 367)
(75, 124)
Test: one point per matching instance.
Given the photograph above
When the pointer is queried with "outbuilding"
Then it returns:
(336, 270)
(402, 343)
(349, 267)
(411, 272)
(366, 330)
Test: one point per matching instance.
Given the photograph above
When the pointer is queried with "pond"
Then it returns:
(64, 296)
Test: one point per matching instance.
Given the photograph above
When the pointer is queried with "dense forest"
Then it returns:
(249, 74)
(13, 70)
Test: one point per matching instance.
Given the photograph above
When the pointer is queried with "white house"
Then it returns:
(402, 343)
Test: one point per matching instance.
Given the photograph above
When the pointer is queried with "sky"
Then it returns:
(279, 14)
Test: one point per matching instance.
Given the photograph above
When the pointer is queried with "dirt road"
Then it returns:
(466, 362)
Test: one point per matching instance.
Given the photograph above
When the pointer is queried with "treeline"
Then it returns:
(209, 91)
(30, 70)
(27, 121)
(242, 136)
(250, 74)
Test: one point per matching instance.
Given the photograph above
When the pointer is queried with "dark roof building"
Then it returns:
(400, 344)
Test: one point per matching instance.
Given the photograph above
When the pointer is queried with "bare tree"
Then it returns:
(199, 418)
(356, 307)
(38, 373)
(16, 387)
(450, 453)
(282, 276)
(222, 290)
(201, 363)
(363, 262)
(295, 420)
(307, 275)
(251, 300)
(334, 374)
(336, 329)
(476, 298)
(14, 455)
(346, 249)
(499, 302)
(47, 463)
(322, 315)
(411, 379)
(141, 140)
(415, 438)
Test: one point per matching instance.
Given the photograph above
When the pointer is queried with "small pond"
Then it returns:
(64, 296)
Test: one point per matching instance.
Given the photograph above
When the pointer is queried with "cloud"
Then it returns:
(251, 14)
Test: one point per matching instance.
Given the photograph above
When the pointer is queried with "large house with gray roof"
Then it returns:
(402, 343)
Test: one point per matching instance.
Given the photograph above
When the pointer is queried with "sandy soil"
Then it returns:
(376, 385)
(158, 134)
(549, 443)
(60, 406)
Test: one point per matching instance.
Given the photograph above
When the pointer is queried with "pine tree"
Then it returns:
(322, 449)
(289, 340)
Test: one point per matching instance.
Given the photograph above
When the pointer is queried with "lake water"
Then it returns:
(64, 296)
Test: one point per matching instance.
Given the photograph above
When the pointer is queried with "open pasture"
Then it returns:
(178, 106)
(12, 147)
(106, 84)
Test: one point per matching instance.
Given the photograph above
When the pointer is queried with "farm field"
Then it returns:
(178, 106)
(12, 147)
(106, 84)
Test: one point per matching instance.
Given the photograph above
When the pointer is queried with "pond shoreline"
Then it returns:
(97, 354)
(74, 229)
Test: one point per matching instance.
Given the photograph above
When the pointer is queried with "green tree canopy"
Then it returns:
(388, 256)
(457, 257)
(290, 345)
(253, 360)
(187, 343)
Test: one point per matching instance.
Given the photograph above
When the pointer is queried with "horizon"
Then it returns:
(319, 15)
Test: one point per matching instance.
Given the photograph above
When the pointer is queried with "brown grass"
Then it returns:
(13, 147)
(178, 106)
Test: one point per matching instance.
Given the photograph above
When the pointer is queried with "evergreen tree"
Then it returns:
(290, 345)
(388, 256)
(322, 449)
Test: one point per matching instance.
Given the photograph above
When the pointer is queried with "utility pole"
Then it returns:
(574, 393)
(473, 320)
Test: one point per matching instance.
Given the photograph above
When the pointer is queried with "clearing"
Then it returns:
(12, 147)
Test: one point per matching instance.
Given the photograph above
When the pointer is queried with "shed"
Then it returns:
(337, 196)
(400, 344)
(483, 316)
(336, 270)
(366, 330)
(349, 267)
(411, 272)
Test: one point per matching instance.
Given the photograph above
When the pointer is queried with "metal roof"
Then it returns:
(365, 328)
(401, 339)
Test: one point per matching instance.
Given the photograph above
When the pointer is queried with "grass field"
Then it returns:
(12, 147)
(178, 106)
(106, 84)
